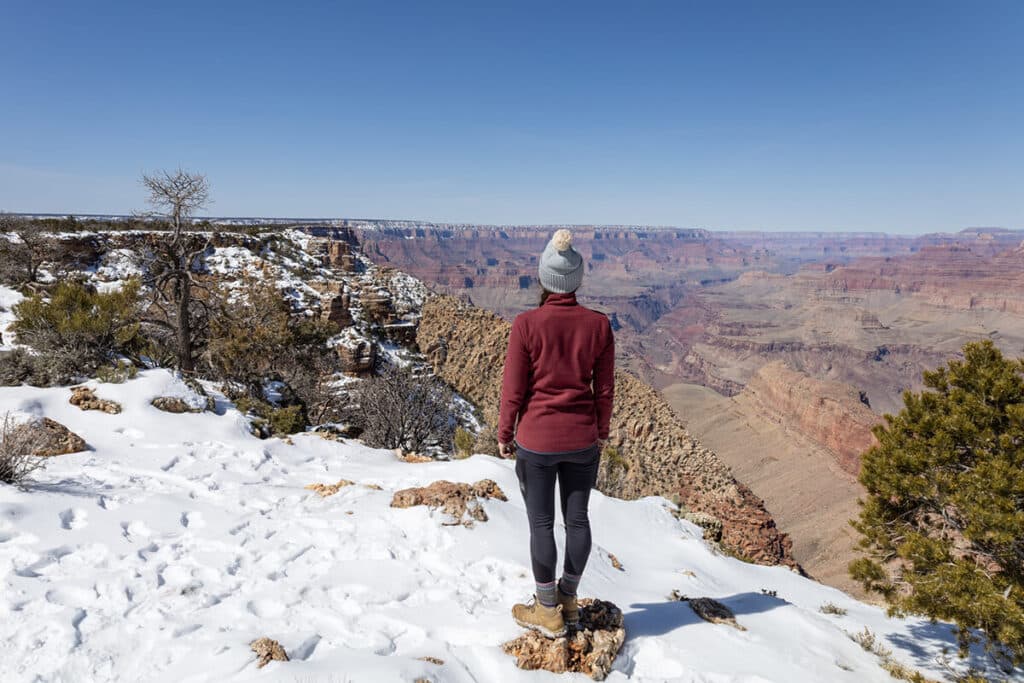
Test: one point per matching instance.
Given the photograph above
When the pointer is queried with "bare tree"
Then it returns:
(23, 248)
(400, 409)
(19, 443)
(172, 272)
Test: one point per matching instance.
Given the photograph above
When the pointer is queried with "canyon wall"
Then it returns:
(831, 414)
(657, 456)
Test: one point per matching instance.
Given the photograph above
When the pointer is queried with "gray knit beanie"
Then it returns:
(561, 266)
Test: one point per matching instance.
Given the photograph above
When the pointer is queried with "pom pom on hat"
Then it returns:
(561, 240)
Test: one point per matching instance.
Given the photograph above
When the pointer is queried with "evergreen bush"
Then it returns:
(943, 521)
(77, 329)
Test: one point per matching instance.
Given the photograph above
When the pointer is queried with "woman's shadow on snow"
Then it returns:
(659, 618)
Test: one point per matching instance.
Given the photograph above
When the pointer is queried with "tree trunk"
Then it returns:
(185, 361)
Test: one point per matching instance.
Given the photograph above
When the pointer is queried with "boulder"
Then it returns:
(590, 650)
(86, 399)
(266, 650)
(460, 501)
(174, 404)
(57, 439)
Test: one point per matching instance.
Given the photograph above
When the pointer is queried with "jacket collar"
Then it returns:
(555, 299)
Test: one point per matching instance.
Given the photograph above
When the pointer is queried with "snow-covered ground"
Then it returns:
(8, 298)
(162, 552)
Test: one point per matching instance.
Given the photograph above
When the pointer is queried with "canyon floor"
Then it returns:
(810, 497)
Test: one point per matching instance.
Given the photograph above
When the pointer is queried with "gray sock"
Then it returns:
(569, 583)
(546, 594)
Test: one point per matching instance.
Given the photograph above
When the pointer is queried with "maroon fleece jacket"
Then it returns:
(559, 378)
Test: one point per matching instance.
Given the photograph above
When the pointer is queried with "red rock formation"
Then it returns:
(829, 413)
(981, 274)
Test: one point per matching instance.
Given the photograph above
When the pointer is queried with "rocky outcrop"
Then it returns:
(174, 404)
(979, 273)
(339, 256)
(268, 650)
(339, 310)
(656, 455)
(459, 501)
(357, 357)
(86, 399)
(55, 438)
(831, 414)
(590, 649)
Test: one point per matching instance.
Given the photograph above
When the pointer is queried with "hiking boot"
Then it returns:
(570, 612)
(545, 620)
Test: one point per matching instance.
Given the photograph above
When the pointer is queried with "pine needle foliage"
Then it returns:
(77, 329)
(943, 521)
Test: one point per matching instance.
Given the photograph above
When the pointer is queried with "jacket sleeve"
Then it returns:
(604, 385)
(515, 382)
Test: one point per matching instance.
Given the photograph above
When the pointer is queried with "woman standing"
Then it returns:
(556, 401)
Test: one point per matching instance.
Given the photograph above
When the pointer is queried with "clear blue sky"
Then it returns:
(896, 115)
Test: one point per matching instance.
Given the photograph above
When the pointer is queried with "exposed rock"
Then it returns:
(56, 438)
(340, 256)
(458, 500)
(173, 404)
(615, 562)
(715, 612)
(657, 455)
(339, 310)
(831, 414)
(266, 650)
(432, 660)
(86, 399)
(357, 358)
(329, 489)
(411, 457)
(377, 306)
(590, 650)
(712, 525)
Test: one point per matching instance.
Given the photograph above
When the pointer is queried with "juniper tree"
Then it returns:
(943, 521)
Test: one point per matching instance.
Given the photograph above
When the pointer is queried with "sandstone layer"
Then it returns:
(467, 345)
(831, 414)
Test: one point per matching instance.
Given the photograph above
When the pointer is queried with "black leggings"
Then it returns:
(576, 475)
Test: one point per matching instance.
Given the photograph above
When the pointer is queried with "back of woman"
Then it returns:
(556, 405)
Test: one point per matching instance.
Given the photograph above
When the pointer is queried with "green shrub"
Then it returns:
(464, 441)
(942, 520)
(270, 421)
(19, 367)
(287, 420)
(615, 458)
(119, 373)
(77, 329)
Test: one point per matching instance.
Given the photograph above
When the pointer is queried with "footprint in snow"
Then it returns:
(130, 432)
(135, 529)
(73, 518)
(108, 503)
(192, 520)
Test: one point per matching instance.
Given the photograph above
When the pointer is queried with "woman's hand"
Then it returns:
(601, 443)
(505, 450)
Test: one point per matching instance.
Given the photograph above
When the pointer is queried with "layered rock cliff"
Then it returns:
(831, 414)
(656, 455)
